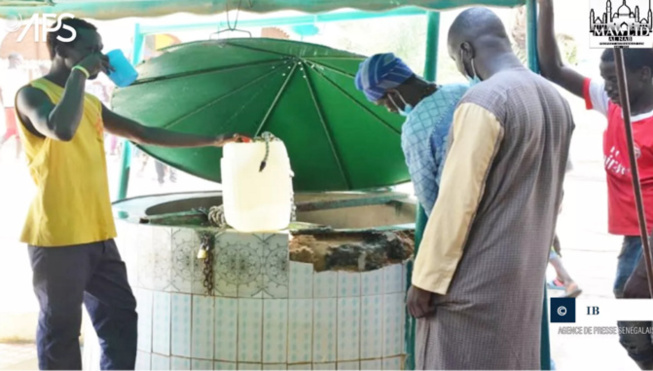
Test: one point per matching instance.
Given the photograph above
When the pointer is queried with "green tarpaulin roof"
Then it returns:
(114, 9)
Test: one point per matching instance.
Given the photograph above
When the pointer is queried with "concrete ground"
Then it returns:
(18, 357)
(589, 253)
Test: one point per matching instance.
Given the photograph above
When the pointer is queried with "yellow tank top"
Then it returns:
(72, 204)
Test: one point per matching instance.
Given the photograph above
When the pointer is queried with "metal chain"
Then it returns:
(206, 253)
(208, 273)
(217, 219)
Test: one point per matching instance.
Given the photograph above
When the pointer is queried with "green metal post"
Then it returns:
(139, 41)
(432, 42)
(430, 72)
(533, 64)
(286, 21)
(531, 35)
(411, 323)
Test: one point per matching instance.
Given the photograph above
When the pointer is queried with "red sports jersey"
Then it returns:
(622, 210)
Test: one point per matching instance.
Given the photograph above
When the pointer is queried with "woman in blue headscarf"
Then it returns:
(386, 80)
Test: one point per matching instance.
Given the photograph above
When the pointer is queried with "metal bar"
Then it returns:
(421, 219)
(382, 199)
(282, 90)
(430, 74)
(215, 101)
(286, 21)
(232, 68)
(432, 46)
(531, 35)
(327, 132)
(125, 170)
(545, 343)
(641, 215)
(356, 102)
(348, 231)
(139, 41)
(103, 10)
(533, 64)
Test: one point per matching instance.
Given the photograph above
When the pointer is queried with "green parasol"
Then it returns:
(302, 93)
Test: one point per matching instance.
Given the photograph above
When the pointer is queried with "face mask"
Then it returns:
(406, 111)
(408, 108)
(473, 80)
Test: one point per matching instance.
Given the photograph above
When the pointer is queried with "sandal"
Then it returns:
(574, 292)
(555, 284)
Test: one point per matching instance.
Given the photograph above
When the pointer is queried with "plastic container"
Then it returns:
(124, 73)
(256, 201)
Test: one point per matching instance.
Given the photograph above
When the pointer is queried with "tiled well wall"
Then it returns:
(265, 312)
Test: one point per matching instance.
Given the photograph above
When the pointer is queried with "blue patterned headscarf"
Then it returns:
(379, 73)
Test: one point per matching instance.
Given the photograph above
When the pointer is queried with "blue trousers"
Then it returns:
(638, 346)
(92, 274)
(631, 252)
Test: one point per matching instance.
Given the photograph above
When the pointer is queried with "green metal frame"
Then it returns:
(103, 10)
(531, 44)
(137, 55)
(298, 20)
(430, 72)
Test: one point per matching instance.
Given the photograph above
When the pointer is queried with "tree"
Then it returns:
(566, 43)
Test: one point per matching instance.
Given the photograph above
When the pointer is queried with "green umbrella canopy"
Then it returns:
(302, 93)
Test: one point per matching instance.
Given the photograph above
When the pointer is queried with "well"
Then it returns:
(328, 294)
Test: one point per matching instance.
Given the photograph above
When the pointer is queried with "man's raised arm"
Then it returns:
(551, 64)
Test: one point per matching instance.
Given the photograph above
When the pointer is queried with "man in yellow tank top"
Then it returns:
(69, 228)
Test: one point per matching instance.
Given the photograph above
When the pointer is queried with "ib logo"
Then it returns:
(563, 310)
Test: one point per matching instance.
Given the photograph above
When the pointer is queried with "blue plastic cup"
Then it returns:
(124, 74)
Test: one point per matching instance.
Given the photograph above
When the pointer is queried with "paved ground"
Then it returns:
(588, 252)
(18, 357)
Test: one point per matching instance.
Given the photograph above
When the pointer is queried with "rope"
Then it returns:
(216, 217)
(267, 137)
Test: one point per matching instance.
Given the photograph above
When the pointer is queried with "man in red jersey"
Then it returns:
(603, 96)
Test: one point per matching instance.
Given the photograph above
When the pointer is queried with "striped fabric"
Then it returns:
(490, 317)
(379, 73)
